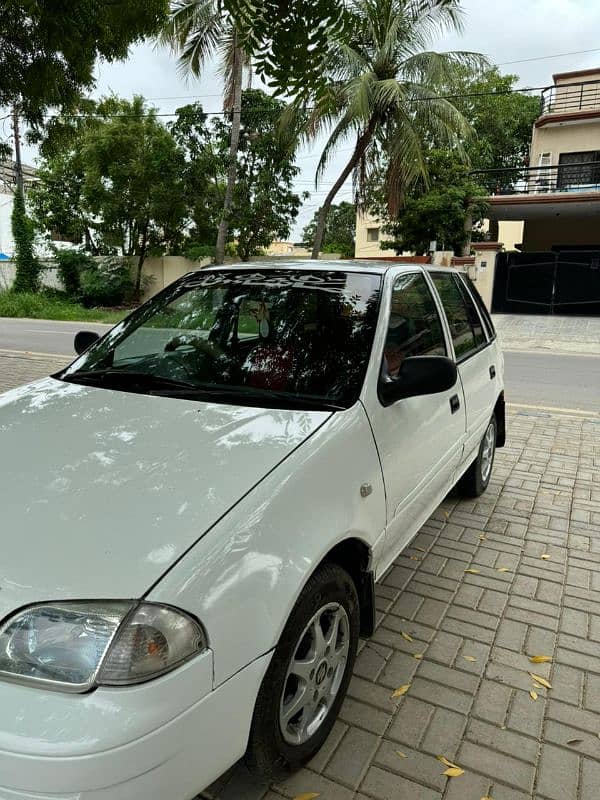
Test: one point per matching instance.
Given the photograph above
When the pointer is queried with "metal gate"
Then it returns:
(567, 282)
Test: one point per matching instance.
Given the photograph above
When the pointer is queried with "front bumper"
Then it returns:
(151, 742)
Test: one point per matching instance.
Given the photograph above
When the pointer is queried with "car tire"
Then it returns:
(476, 479)
(307, 679)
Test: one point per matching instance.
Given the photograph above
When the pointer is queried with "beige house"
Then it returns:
(558, 196)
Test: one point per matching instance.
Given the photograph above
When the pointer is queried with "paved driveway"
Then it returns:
(484, 585)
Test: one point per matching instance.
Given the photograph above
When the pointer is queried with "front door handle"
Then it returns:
(492, 372)
(454, 403)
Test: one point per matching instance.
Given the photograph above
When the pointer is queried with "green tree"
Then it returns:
(385, 84)
(199, 30)
(444, 210)
(133, 187)
(48, 48)
(340, 230)
(264, 203)
(27, 266)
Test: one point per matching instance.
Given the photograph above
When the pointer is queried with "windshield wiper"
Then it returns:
(143, 380)
(242, 393)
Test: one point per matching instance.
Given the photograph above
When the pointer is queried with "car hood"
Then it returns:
(102, 491)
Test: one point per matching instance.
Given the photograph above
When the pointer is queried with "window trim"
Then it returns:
(459, 282)
(484, 314)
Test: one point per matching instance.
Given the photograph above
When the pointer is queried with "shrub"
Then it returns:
(28, 267)
(70, 265)
(197, 252)
(106, 283)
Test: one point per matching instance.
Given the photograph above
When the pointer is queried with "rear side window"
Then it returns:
(485, 314)
(414, 328)
(464, 321)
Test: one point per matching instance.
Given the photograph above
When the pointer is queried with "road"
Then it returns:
(42, 336)
(538, 379)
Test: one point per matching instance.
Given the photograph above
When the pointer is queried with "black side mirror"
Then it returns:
(418, 375)
(83, 340)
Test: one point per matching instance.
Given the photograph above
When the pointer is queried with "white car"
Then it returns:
(194, 513)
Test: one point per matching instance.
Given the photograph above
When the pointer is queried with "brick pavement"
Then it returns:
(469, 693)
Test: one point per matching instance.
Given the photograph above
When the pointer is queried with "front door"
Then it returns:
(420, 439)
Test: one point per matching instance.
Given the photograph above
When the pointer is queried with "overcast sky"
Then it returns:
(504, 30)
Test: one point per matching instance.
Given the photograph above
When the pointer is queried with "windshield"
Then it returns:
(276, 338)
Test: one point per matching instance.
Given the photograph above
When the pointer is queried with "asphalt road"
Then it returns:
(537, 379)
(42, 336)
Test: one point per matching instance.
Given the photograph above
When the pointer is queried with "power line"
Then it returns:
(548, 58)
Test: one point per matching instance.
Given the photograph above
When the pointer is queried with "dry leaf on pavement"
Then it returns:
(540, 659)
(470, 658)
(572, 742)
(503, 569)
(406, 636)
(401, 754)
(472, 571)
(307, 796)
(418, 656)
(546, 556)
(401, 690)
(454, 772)
(541, 681)
(533, 695)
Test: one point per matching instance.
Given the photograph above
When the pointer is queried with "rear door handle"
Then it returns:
(454, 403)
(492, 372)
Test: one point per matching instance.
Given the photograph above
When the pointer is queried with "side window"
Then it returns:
(414, 327)
(465, 325)
(485, 314)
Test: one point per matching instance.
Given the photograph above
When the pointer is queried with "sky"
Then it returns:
(504, 31)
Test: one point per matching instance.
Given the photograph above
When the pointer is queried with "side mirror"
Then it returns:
(83, 340)
(418, 375)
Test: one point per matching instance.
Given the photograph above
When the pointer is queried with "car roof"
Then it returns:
(350, 265)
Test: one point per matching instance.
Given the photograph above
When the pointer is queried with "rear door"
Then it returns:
(420, 439)
(473, 354)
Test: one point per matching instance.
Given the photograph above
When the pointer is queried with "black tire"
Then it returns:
(268, 753)
(474, 482)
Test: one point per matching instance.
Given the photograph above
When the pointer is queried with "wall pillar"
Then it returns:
(483, 271)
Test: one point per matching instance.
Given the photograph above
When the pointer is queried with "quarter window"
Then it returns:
(414, 327)
(464, 321)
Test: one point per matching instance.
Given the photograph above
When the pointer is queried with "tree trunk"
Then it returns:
(140, 265)
(233, 151)
(466, 248)
(361, 146)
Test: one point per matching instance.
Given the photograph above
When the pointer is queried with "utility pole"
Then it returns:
(18, 164)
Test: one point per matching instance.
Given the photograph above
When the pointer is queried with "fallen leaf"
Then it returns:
(447, 515)
(543, 681)
(447, 763)
(540, 659)
(454, 772)
(416, 558)
(546, 556)
(401, 754)
(537, 685)
(307, 796)
(470, 658)
(482, 538)
(418, 656)
(486, 798)
(533, 695)
(421, 549)
(472, 571)
(503, 569)
(406, 636)
(574, 741)
(402, 690)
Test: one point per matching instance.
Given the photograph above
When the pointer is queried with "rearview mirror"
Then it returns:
(83, 340)
(419, 375)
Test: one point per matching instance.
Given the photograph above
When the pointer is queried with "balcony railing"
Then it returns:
(562, 178)
(571, 97)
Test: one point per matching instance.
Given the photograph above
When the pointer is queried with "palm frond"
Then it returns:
(194, 32)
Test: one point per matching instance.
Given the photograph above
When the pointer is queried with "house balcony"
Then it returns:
(518, 194)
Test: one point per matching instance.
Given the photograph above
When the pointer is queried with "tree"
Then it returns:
(384, 84)
(27, 265)
(198, 30)
(132, 186)
(289, 39)
(340, 230)
(264, 203)
(445, 210)
(48, 48)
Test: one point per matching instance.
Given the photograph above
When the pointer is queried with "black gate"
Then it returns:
(567, 282)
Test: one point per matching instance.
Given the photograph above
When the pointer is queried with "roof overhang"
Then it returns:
(524, 207)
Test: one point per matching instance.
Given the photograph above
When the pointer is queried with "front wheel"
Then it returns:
(308, 677)
(476, 479)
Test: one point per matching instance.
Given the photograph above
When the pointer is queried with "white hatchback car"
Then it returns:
(194, 513)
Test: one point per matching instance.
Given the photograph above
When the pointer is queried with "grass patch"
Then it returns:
(46, 305)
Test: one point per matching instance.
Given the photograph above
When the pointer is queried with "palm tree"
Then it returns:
(383, 86)
(198, 31)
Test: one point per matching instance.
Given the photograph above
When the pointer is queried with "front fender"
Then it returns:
(244, 576)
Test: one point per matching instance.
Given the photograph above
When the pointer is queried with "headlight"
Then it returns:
(75, 646)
